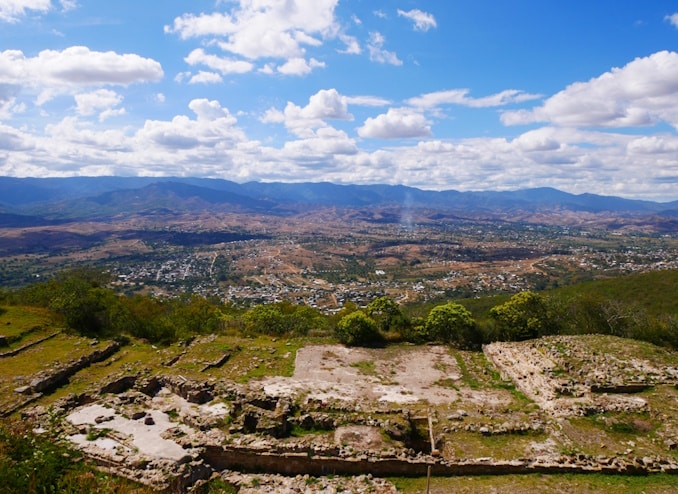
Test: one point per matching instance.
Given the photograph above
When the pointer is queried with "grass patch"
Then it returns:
(366, 367)
(16, 321)
(447, 383)
(466, 376)
(94, 433)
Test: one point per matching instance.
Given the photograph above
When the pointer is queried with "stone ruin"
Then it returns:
(173, 433)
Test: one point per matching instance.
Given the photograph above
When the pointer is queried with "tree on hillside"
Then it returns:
(386, 313)
(282, 318)
(452, 323)
(358, 329)
(524, 316)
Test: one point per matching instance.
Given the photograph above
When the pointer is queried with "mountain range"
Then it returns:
(32, 201)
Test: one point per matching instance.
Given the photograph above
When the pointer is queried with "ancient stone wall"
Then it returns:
(47, 383)
(293, 463)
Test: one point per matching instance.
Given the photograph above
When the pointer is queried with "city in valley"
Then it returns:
(328, 257)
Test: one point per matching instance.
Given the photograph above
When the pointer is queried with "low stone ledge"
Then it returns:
(628, 388)
(16, 351)
(47, 383)
(293, 463)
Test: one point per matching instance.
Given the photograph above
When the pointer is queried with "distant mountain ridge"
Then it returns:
(60, 198)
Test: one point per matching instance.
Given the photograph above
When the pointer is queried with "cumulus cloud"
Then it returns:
(642, 93)
(103, 100)
(375, 47)
(460, 97)
(12, 10)
(204, 77)
(213, 125)
(299, 66)
(538, 140)
(11, 139)
(397, 123)
(321, 145)
(650, 145)
(423, 21)
(221, 64)
(326, 104)
(266, 29)
(75, 67)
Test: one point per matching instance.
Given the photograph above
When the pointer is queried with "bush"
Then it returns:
(522, 317)
(387, 314)
(452, 323)
(30, 462)
(282, 319)
(358, 329)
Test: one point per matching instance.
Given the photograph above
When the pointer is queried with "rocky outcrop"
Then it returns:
(191, 391)
(596, 384)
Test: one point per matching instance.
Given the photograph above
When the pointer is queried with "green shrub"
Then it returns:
(358, 329)
(452, 323)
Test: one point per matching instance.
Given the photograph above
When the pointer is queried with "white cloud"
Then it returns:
(673, 19)
(10, 107)
(111, 112)
(213, 126)
(397, 123)
(12, 10)
(460, 97)
(423, 21)
(100, 100)
(375, 47)
(67, 5)
(73, 140)
(642, 93)
(75, 67)
(367, 101)
(265, 29)
(267, 69)
(352, 45)
(221, 64)
(300, 66)
(8, 103)
(649, 145)
(538, 140)
(204, 77)
(317, 148)
(326, 104)
(12, 139)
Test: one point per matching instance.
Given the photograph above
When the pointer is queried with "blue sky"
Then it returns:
(466, 95)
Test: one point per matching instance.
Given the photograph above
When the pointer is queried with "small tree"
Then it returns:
(522, 317)
(452, 323)
(358, 329)
(386, 313)
(265, 319)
